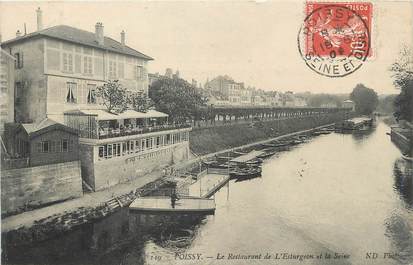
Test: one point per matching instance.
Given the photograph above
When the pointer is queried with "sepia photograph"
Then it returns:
(212, 132)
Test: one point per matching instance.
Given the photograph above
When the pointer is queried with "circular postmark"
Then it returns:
(334, 40)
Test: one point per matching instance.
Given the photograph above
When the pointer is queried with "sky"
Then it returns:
(253, 42)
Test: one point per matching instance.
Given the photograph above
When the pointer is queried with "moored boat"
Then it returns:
(252, 162)
(244, 173)
(267, 154)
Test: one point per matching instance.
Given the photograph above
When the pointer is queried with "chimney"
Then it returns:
(39, 19)
(99, 33)
(18, 33)
(122, 38)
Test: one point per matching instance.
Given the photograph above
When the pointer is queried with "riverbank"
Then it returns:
(211, 140)
(49, 221)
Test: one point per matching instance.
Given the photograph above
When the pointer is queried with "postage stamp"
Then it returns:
(335, 38)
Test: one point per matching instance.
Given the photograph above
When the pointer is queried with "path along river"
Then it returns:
(341, 195)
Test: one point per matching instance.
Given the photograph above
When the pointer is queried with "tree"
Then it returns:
(365, 99)
(113, 95)
(402, 72)
(140, 101)
(386, 104)
(176, 97)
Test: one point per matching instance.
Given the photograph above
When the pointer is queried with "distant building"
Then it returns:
(152, 78)
(7, 64)
(233, 92)
(349, 104)
(291, 100)
(168, 72)
(329, 105)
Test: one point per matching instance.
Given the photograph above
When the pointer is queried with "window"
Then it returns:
(158, 141)
(45, 147)
(18, 92)
(168, 139)
(137, 146)
(109, 148)
(112, 69)
(71, 92)
(91, 95)
(117, 149)
(121, 70)
(87, 65)
(125, 148)
(67, 62)
(19, 60)
(143, 144)
(140, 73)
(101, 151)
(65, 145)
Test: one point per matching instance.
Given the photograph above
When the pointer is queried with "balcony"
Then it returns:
(100, 124)
(127, 131)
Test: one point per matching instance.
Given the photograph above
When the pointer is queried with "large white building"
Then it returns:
(57, 72)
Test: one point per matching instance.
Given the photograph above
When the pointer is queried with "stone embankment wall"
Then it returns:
(27, 188)
(401, 138)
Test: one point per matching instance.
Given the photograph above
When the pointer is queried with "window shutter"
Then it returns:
(21, 60)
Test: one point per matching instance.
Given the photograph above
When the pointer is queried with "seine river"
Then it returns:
(337, 199)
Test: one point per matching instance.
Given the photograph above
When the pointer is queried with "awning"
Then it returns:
(127, 114)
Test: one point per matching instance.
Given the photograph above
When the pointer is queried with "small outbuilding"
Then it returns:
(46, 142)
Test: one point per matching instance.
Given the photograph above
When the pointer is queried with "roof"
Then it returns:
(79, 36)
(127, 114)
(7, 55)
(34, 129)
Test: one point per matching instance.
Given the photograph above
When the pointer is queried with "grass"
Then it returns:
(210, 140)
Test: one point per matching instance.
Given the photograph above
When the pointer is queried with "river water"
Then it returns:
(339, 195)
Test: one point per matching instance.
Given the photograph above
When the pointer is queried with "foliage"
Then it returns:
(386, 104)
(365, 99)
(176, 97)
(402, 72)
(318, 100)
(139, 101)
(113, 95)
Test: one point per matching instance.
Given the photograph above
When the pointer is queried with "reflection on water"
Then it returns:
(403, 180)
(338, 193)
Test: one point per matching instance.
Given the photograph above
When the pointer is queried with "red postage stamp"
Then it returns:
(335, 38)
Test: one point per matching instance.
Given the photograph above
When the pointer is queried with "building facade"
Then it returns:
(227, 89)
(59, 68)
(38, 144)
(123, 147)
(7, 63)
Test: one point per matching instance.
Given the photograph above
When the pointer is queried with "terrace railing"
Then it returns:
(118, 132)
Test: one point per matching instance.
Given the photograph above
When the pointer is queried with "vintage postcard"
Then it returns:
(206, 132)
